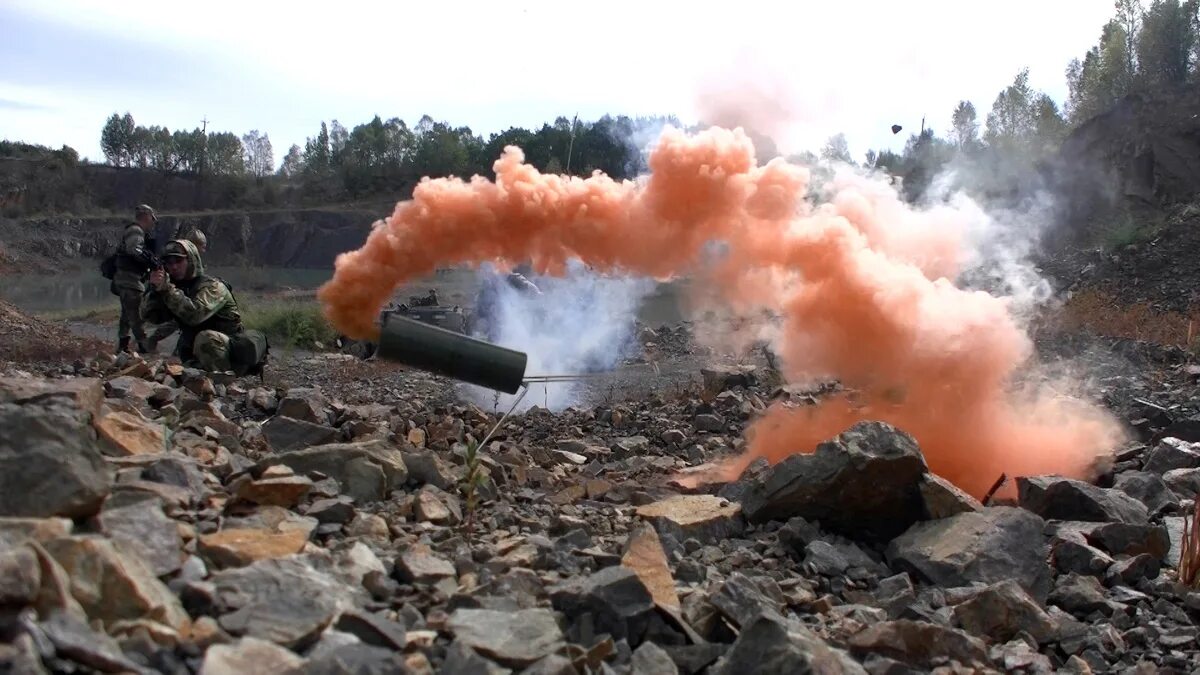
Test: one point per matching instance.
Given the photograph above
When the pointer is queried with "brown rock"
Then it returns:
(417, 437)
(250, 655)
(644, 555)
(420, 564)
(20, 576)
(918, 644)
(703, 517)
(112, 585)
(597, 488)
(1003, 610)
(944, 499)
(240, 547)
(14, 531)
(429, 508)
(286, 491)
(54, 594)
(129, 434)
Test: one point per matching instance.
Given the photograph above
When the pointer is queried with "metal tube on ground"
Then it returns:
(454, 355)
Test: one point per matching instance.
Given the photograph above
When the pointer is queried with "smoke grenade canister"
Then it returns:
(454, 355)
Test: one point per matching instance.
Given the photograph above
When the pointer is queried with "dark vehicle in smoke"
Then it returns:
(425, 309)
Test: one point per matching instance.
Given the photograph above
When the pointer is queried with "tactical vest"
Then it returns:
(226, 320)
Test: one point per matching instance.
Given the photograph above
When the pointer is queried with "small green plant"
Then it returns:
(290, 324)
(470, 484)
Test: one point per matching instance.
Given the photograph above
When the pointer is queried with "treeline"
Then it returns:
(376, 157)
(1147, 50)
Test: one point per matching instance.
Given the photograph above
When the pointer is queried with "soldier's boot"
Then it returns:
(146, 346)
(123, 344)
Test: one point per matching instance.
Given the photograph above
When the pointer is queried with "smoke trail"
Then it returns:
(582, 322)
(861, 281)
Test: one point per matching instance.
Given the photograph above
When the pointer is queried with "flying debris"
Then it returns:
(896, 129)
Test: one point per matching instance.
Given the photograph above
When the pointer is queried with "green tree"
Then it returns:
(292, 163)
(964, 127)
(116, 139)
(317, 157)
(836, 149)
(1010, 123)
(1165, 45)
(260, 159)
(225, 155)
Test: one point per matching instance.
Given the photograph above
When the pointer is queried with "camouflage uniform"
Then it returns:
(203, 307)
(129, 281)
(166, 330)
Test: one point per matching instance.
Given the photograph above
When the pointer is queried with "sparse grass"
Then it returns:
(290, 324)
(98, 314)
(1127, 229)
(1099, 312)
(470, 484)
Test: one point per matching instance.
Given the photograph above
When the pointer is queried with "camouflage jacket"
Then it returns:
(196, 303)
(131, 275)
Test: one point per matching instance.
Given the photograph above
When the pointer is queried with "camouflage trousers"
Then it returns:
(211, 351)
(131, 316)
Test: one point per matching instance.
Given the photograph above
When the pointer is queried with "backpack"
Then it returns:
(108, 266)
(248, 352)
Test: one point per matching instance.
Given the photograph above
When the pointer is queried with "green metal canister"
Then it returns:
(452, 354)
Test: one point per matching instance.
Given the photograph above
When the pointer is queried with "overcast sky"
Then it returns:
(806, 69)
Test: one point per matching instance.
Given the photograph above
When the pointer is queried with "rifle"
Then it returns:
(148, 259)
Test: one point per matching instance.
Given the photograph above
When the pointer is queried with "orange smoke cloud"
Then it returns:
(861, 283)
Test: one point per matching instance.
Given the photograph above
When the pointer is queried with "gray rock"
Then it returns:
(615, 597)
(919, 644)
(147, 532)
(356, 659)
(1124, 539)
(419, 564)
(284, 601)
(771, 645)
(720, 378)
(1133, 570)
(1080, 595)
(692, 659)
(287, 435)
(1184, 483)
(20, 576)
(989, 546)
(462, 660)
(1057, 498)
(832, 559)
(895, 594)
(366, 471)
(864, 483)
(50, 458)
(304, 404)
(709, 422)
(943, 499)
(1003, 610)
(75, 640)
(1148, 488)
(372, 629)
(178, 471)
(650, 659)
(742, 598)
(21, 656)
(338, 510)
(512, 638)
(1072, 556)
(1170, 454)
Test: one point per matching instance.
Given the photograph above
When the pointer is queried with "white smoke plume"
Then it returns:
(581, 322)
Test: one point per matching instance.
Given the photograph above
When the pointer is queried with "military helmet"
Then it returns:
(175, 249)
(197, 237)
(144, 209)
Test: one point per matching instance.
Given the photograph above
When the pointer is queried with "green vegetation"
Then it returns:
(290, 324)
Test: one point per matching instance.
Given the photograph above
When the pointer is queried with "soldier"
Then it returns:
(168, 329)
(130, 277)
(211, 335)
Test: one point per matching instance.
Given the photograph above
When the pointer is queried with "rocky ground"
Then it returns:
(333, 518)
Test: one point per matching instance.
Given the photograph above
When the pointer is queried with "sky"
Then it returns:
(799, 71)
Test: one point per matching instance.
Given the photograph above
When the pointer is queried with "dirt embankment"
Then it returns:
(309, 238)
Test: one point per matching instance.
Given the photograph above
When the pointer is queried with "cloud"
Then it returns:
(21, 105)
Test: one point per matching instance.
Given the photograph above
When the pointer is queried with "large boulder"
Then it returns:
(989, 546)
(865, 483)
(1058, 498)
(366, 471)
(50, 458)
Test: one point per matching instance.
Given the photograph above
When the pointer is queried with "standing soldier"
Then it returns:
(166, 330)
(138, 245)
